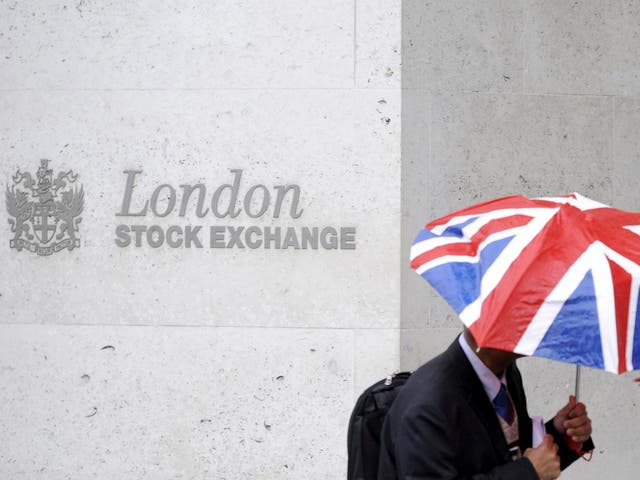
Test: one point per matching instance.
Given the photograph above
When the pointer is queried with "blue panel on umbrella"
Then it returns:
(456, 230)
(574, 335)
(459, 282)
(451, 231)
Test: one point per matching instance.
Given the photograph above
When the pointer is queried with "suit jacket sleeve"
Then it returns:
(428, 448)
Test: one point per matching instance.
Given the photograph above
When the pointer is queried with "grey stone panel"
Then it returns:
(424, 306)
(463, 46)
(376, 355)
(548, 385)
(377, 43)
(416, 199)
(626, 157)
(582, 47)
(134, 45)
(150, 403)
(329, 142)
(418, 345)
(612, 404)
(487, 146)
(230, 363)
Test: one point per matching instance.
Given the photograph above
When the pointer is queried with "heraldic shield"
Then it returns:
(45, 213)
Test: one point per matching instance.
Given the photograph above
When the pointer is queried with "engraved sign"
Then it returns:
(44, 212)
(226, 201)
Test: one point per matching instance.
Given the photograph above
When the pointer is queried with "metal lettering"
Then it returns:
(138, 230)
(291, 239)
(187, 190)
(347, 238)
(174, 242)
(328, 238)
(266, 199)
(164, 198)
(251, 243)
(191, 236)
(217, 237)
(235, 237)
(128, 192)
(157, 242)
(282, 191)
(122, 233)
(171, 200)
(271, 237)
(310, 236)
(215, 200)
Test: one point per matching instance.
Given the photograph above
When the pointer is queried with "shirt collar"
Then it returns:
(490, 382)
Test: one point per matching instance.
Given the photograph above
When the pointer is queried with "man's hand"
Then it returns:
(545, 459)
(572, 420)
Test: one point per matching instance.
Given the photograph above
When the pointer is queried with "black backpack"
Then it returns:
(365, 426)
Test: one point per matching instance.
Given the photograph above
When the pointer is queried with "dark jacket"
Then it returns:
(443, 426)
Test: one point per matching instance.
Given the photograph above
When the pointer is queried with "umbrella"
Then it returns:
(553, 277)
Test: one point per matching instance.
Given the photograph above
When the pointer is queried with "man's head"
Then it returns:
(496, 360)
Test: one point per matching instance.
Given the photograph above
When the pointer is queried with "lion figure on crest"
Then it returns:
(20, 208)
(67, 211)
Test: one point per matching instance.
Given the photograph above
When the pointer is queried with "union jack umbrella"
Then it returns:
(551, 277)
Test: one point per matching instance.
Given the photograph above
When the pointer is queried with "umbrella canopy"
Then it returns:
(551, 277)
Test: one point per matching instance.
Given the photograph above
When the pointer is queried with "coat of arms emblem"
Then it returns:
(44, 212)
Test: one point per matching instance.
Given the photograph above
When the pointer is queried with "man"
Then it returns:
(445, 424)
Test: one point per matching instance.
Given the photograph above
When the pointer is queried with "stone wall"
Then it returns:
(236, 282)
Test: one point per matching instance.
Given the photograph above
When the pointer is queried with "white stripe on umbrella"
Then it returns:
(606, 305)
(501, 264)
(581, 202)
(469, 258)
(633, 306)
(484, 218)
(551, 307)
(631, 325)
(468, 231)
(634, 270)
